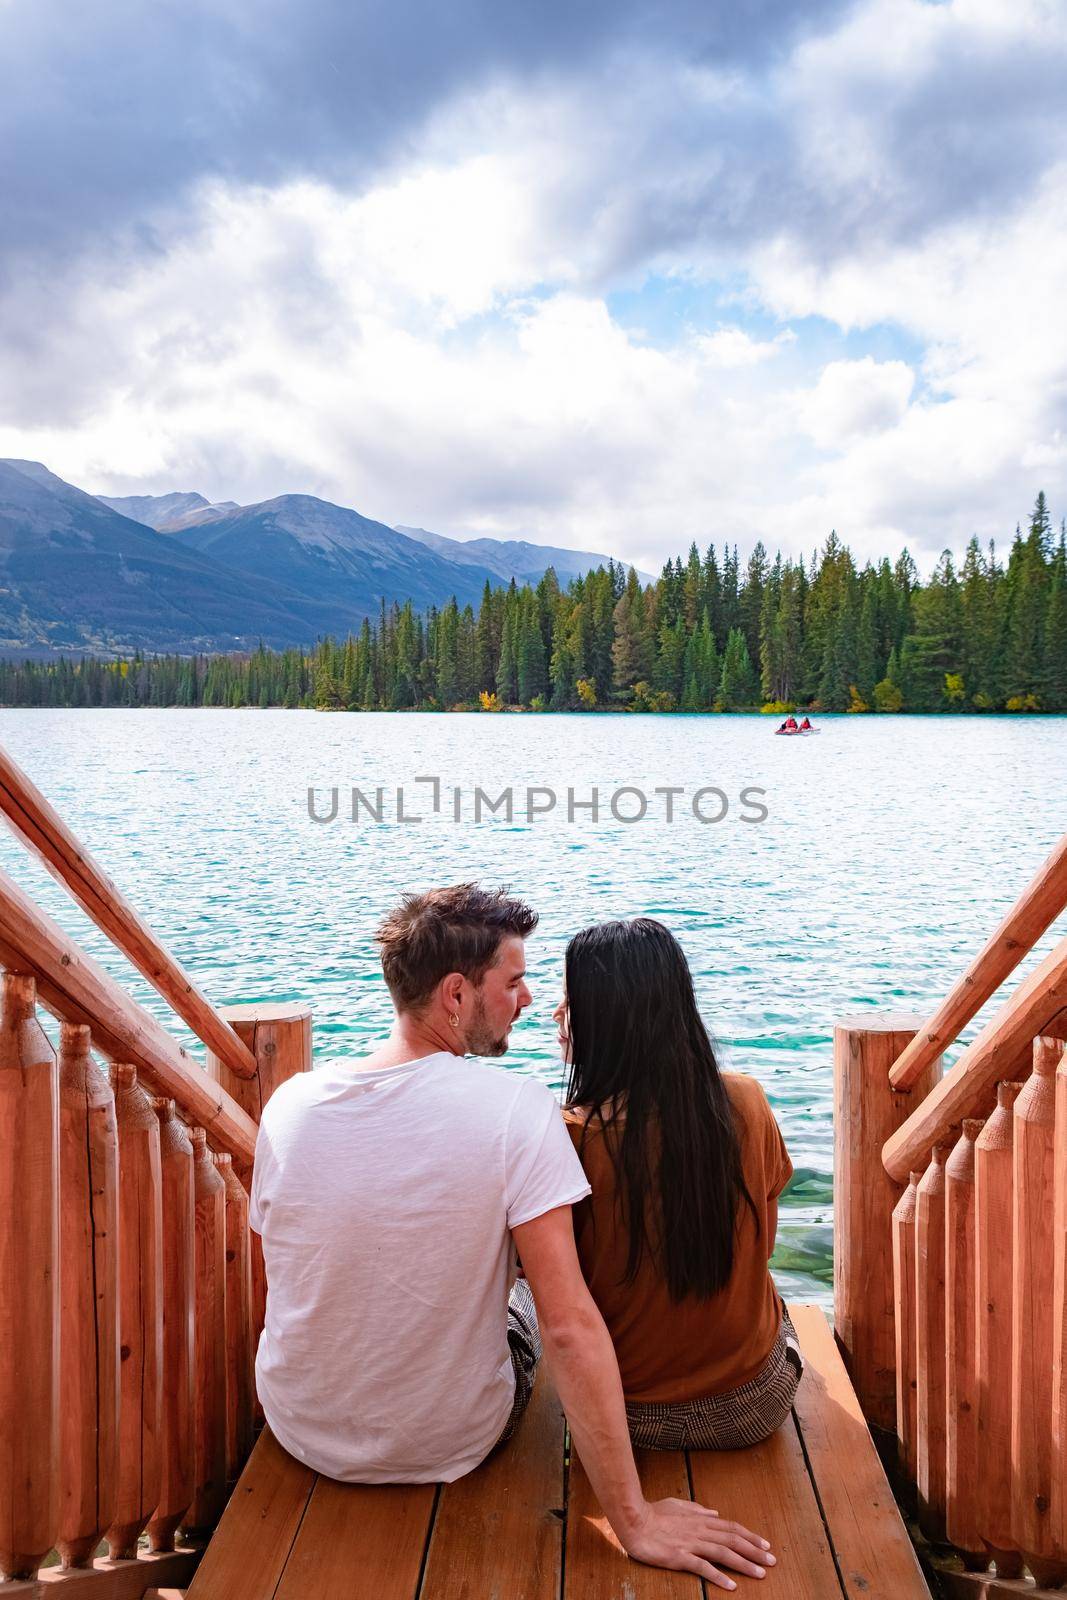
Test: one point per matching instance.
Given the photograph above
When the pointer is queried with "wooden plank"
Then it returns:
(140, 1312)
(767, 1488)
(360, 1541)
(906, 1325)
(209, 1387)
(240, 1380)
(499, 1530)
(177, 1474)
(1035, 910)
(1033, 1271)
(1059, 1313)
(29, 1283)
(40, 826)
(930, 1359)
(874, 1554)
(89, 1295)
(596, 1566)
(993, 1184)
(866, 1111)
(963, 1461)
(251, 1544)
(75, 988)
(111, 1580)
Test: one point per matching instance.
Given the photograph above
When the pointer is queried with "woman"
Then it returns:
(686, 1165)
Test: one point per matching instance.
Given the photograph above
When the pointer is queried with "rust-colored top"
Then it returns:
(959, 1168)
(667, 1350)
(174, 1140)
(997, 1133)
(904, 1210)
(208, 1180)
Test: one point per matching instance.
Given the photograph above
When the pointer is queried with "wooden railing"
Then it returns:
(980, 1312)
(131, 1294)
(965, 1336)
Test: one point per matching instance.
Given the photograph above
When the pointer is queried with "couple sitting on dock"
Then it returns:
(394, 1194)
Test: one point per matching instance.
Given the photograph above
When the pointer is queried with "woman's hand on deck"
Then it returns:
(689, 1538)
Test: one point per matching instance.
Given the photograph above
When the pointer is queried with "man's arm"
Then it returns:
(578, 1348)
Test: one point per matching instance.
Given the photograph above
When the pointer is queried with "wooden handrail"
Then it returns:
(1001, 1050)
(73, 987)
(1035, 910)
(40, 826)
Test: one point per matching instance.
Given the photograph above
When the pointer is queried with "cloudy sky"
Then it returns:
(614, 275)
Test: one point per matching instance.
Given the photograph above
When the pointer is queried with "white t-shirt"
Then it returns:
(384, 1200)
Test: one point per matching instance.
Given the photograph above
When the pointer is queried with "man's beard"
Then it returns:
(480, 1039)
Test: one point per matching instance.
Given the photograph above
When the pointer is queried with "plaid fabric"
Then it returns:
(726, 1421)
(524, 1338)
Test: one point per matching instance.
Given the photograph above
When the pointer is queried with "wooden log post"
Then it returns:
(930, 1373)
(866, 1113)
(29, 1283)
(89, 1292)
(1059, 1316)
(140, 1313)
(962, 1463)
(906, 1313)
(239, 1375)
(279, 1037)
(994, 1186)
(209, 1410)
(177, 1480)
(1032, 1337)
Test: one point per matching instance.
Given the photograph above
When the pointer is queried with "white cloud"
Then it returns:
(733, 347)
(439, 349)
(856, 398)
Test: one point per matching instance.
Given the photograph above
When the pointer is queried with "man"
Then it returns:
(392, 1195)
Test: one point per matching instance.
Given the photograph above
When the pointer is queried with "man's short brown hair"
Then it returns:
(458, 929)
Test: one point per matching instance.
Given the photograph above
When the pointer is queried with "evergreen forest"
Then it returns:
(710, 634)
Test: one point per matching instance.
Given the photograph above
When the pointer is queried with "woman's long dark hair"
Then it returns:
(641, 1060)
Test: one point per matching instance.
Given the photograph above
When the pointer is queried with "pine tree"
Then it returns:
(530, 650)
(1026, 600)
(737, 686)
(691, 589)
(751, 600)
(702, 669)
(507, 672)
(487, 651)
(1054, 671)
(869, 661)
(630, 653)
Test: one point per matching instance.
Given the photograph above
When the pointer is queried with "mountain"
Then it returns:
(76, 575)
(155, 510)
(176, 572)
(517, 558)
(333, 554)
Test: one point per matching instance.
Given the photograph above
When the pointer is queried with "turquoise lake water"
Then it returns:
(890, 849)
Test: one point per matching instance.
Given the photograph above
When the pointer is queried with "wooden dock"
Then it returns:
(132, 1295)
(525, 1525)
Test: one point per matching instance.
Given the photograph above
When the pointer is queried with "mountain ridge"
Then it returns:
(80, 572)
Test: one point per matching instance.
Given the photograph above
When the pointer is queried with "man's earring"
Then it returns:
(454, 1019)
